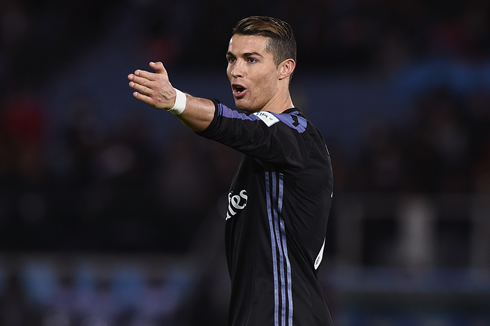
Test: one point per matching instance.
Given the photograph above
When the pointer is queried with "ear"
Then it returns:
(286, 68)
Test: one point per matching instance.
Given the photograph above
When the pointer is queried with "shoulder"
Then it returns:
(292, 118)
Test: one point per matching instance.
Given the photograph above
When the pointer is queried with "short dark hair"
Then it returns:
(282, 44)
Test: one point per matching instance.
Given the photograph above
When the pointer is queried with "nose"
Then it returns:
(237, 69)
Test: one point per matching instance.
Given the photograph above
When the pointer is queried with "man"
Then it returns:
(280, 197)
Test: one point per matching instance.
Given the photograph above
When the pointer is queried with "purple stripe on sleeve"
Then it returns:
(226, 112)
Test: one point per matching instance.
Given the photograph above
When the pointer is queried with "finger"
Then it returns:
(140, 80)
(140, 88)
(143, 98)
(158, 67)
(145, 74)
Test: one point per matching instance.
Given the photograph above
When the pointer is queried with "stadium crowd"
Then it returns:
(83, 179)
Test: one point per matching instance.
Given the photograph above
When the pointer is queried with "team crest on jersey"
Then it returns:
(236, 202)
(268, 118)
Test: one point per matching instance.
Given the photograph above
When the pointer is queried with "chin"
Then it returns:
(240, 105)
(244, 107)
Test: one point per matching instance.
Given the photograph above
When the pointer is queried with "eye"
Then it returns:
(252, 60)
(231, 59)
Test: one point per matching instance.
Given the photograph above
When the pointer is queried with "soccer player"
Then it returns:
(280, 197)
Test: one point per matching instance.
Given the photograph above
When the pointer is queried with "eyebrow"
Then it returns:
(246, 54)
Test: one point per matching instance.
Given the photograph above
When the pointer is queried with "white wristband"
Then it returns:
(180, 102)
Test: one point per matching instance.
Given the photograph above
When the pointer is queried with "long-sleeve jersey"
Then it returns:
(276, 220)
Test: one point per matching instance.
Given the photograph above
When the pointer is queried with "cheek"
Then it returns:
(263, 90)
(267, 84)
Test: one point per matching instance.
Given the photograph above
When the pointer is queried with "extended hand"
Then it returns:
(153, 88)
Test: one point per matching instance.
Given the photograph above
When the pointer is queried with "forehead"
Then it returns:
(240, 44)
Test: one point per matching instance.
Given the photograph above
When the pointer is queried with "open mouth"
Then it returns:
(238, 90)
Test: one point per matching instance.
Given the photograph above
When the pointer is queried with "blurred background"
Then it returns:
(111, 212)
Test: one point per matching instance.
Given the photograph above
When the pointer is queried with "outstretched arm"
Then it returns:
(155, 90)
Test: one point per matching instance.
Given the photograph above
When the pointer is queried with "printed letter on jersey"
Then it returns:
(236, 202)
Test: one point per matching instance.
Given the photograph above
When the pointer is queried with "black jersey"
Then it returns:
(276, 221)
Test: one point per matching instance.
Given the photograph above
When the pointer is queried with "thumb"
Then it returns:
(158, 67)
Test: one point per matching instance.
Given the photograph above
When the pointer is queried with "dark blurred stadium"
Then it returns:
(111, 212)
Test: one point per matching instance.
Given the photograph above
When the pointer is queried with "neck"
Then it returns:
(279, 103)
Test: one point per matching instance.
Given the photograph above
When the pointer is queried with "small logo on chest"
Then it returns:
(236, 202)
